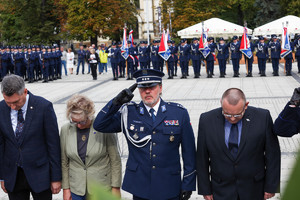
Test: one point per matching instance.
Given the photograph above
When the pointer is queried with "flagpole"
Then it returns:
(284, 69)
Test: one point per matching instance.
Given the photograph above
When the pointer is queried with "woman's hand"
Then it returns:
(115, 191)
(67, 194)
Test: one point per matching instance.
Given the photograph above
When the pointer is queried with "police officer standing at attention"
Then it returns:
(154, 55)
(183, 51)
(154, 130)
(6, 60)
(143, 51)
(121, 62)
(275, 47)
(81, 56)
(210, 58)
(222, 56)
(171, 60)
(130, 62)
(262, 55)
(297, 54)
(196, 57)
(114, 52)
(250, 60)
(235, 55)
(175, 58)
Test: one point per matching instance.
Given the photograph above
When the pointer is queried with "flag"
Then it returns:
(130, 37)
(164, 50)
(245, 47)
(124, 48)
(285, 45)
(168, 35)
(203, 45)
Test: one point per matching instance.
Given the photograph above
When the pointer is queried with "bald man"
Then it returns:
(238, 155)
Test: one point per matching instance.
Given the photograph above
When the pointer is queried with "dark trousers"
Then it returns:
(94, 70)
(175, 67)
(298, 61)
(222, 65)
(114, 67)
(250, 64)
(288, 64)
(262, 64)
(275, 63)
(196, 66)
(170, 68)
(130, 69)
(236, 64)
(80, 61)
(210, 66)
(143, 65)
(19, 69)
(22, 190)
(155, 65)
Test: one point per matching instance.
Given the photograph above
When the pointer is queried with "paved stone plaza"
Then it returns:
(197, 95)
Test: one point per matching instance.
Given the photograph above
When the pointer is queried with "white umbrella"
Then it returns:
(275, 27)
(216, 28)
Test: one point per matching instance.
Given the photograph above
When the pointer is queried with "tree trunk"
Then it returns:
(240, 15)
(94, 40)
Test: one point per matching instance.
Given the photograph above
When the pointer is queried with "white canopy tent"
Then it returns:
(275, 27)
(216, 28)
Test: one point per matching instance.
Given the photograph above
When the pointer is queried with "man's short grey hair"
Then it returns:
(12, 84)
(233, 96)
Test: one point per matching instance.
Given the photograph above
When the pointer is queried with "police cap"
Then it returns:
(261, 38)
(148, 77)
(221, 39)
(235, 37)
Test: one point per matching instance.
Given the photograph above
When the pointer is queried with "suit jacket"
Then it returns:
(288, 122)
(153, 169)
(38, 146)
(255, 170)
(102, 164)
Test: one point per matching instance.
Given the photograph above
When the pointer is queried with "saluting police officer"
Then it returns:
(297, 54)
(235, 55)
(275, 47)
(262, 55)
(222, 56)
(154, 130)
(196, 57)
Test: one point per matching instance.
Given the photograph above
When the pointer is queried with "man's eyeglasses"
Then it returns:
(80, 122)
(234, 116)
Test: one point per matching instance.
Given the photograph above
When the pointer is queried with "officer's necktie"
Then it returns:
(233, 140)
(152, 114)
(20, 124)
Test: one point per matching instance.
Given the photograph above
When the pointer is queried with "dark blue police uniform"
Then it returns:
(154, 56)
(235, 56)
(250, 60)
(196, 58)
(122, 62)
(210, 59)
(175, 58)
(153, 169)
(6, 60)
(143, 56)
(131, 62)
(171, 60)
(183, 51)
(297, 54)
(275, 54)
(223, 55)
(114, 59)
(262, 55)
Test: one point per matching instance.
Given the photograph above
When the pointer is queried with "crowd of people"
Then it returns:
(237, 158)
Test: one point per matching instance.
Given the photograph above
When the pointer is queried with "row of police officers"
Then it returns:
(33, 63)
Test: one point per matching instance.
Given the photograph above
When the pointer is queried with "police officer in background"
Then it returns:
(114, 52)
(154, 130)
(196, 57)
(275, 47)
(30, 58)
(171, 60)
(143, 55)
(235, 55)
(222, 56)
(288, 61)
(262, 55)
(175, 57)
(37, 67)
(154, 55)
(250, 60)
(81, 53)
(45, 63)
(136, 59)
(210, 59)
(130, 61)
(5, 61)
(161, 60)
(184, 50)
(297, 54)
(121, 62)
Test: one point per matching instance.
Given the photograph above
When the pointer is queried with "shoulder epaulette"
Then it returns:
(176, 105)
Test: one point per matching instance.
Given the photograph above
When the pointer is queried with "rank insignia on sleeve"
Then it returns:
(171, 123)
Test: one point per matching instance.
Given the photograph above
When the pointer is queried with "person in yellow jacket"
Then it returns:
(103, 59)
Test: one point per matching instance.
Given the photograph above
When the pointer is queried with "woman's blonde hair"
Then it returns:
(80, 106)
(92, 51)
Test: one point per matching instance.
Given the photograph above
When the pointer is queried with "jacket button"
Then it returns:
(153, 167)
(154, 155)
(154, 144)
(154, 132)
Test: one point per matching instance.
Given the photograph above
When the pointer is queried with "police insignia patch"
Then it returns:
(163, 108)
(171, 123)
(141, 110)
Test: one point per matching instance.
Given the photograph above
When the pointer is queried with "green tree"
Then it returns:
(290, 7)
(87, 19)
(266, 11)
(28, 21)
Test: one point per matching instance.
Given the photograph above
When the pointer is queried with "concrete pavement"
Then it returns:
(197, 95)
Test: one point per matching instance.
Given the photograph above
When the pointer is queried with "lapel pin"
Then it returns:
(248, 120)
(31, 107)
(135, 136)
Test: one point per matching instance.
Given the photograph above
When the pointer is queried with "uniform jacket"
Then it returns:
(255, 170)
(154, 53)
(262, 50)
(153, 169)
(223, 53)
(212, 47)
(297, 46)
(143, 54)
(102, 164)
(183, 52)
(288, 122)
(114, 54)
(38, 146)
(235, 50)
(195, 53)
(275, 49)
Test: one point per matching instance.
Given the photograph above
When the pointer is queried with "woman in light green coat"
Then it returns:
(88, 156)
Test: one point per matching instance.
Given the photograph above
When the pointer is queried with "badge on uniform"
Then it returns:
(171, 123)
(141, 110)
(172, 138)
(131, 127)
(135, 136)
(163, 108)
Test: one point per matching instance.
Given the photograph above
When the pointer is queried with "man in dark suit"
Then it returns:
(288, 122)
(236, 142)
(30, 159)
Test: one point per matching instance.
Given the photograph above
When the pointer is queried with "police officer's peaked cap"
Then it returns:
(169, 41)
(134, 43)
(182, 41)
(173, 42)
(221, 39)
(235, 37)
(261, 38)
(148, 77)
(274, 36)
(113, 44)
(249, 37)
(194, 39)
(119, 42)
(128, 42)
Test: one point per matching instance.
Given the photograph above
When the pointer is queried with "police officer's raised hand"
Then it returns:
(124, 96)
(185, 195)
(295, 100)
